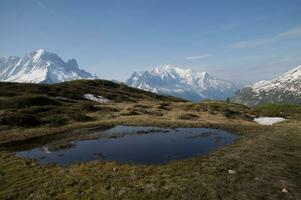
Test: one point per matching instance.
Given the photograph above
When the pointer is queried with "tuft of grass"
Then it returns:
(188, 116)
(80, 117)
(165, 106)
(107, 109)
(228, 109)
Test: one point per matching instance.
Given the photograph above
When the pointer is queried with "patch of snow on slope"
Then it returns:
(95, 98)
(268, 120)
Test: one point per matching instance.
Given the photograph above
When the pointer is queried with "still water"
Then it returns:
(136, 145)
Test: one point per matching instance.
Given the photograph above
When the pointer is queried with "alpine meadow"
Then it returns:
(150, 99)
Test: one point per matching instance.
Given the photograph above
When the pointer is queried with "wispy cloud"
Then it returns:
(39, 3)
(42, 5)
(198, 57)
(292, 33)
(289, 34)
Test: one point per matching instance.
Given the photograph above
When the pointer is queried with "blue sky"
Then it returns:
(242, 41)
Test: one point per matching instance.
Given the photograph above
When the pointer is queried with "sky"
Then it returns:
(241, 41)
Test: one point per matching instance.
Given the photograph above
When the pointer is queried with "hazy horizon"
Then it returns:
(242, 42)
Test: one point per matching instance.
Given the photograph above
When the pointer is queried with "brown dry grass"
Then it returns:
(266, 160)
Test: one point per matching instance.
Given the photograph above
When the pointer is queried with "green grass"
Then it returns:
(31, 105)
(76, 89)
(292, 111)
(266, 158)
(188, 116)
(230, 110)
(27, 101)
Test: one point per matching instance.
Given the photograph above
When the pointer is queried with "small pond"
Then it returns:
(136, 145)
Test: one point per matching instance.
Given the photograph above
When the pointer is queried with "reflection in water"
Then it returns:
(140, 145)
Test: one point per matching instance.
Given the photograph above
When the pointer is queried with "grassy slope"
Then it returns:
(31, 105)
(265, 158)
(76, 89)
(281, 110)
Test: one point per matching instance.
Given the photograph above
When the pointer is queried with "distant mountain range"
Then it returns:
(284, 89)
(40, 66)
(184, 83)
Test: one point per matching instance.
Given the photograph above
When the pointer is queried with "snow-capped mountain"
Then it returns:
(40, 66)
(184, 83)
(284, 89)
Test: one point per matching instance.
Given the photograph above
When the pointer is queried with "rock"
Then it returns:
(115, 169)
(284, 190)
(231, 171)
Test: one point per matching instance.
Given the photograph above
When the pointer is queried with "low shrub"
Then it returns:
(27, 101)
(89, 107)
(19, 119)
(230, 113)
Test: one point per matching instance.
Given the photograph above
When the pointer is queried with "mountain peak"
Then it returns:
(285, 88)
(167, 67)
(39, 51)
(72, 63)
(162, 68)
(37, 54)
(41, 66)
(184, 83)
(296, 72)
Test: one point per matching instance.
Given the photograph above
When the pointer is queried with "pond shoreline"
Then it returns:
(133, 144)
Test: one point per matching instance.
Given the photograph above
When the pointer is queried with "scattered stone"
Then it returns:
(231, 171)
(122, 191)
(284, 190)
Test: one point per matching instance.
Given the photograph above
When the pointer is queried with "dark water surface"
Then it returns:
(137, 145)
